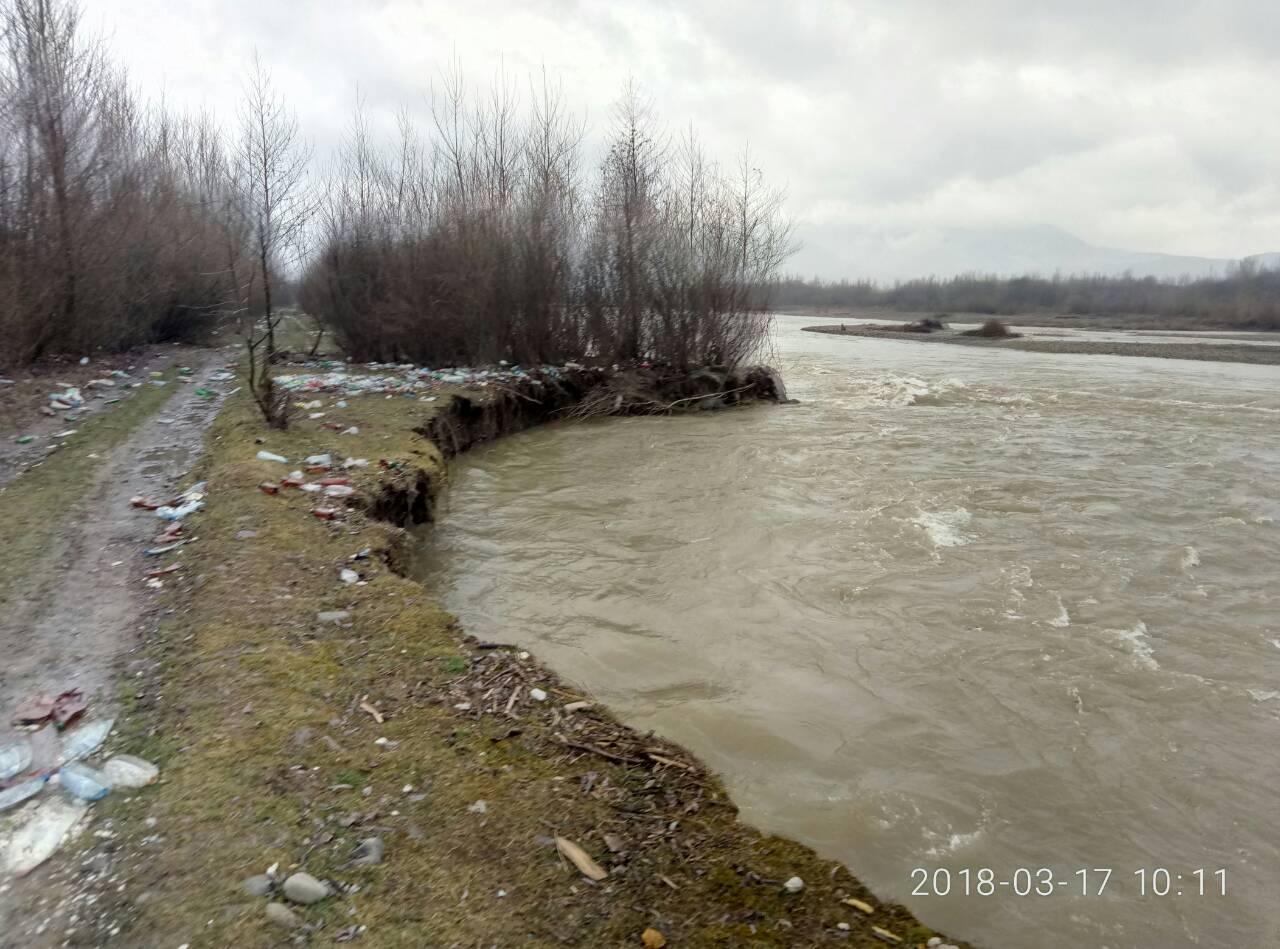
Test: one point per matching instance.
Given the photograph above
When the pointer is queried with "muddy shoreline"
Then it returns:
(254, 694)
(1207, 352)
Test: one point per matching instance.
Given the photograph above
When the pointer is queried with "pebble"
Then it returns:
(334, 616)
(258, 885)
(281, 915)
(934, 942)
(305, 889)
(843, 927)
(794, 885)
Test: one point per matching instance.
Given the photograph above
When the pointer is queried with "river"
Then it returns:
(957, 609)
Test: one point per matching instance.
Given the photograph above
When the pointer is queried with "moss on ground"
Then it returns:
(33, 503)
(259, 715)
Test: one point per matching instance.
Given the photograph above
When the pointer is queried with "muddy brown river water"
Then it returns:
(958, 611)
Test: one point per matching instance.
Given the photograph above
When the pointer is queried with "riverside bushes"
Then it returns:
(491, 241)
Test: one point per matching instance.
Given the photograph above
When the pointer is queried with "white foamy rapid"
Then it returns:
(945, 528)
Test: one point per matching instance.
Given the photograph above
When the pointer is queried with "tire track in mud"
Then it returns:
(75, 632)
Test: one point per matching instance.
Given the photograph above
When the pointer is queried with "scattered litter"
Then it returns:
(326, 513)
(38, 839)
(479, 807)
(84, 740)
(25, 439)
(361, 554)
(537, 695)
(15, 758)
(173, 567)
(269, 456)
(353, 430)
(885, 934)
(339, 491)
(356, 463)
(67, 434)
(294, 479)
(15, 795)
(334, 616)
(577, 706)
(350, 932)
(157, 551)
(205, 393)
(84, 782)
(794, 885)
(860, 906)
(348, 576)
(581, 859)
(268, 487)
(322, 461)
(129, 771)
(62, 710)
(366, 706)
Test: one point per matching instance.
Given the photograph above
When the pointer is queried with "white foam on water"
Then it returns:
(1264, 695)
(1190, 558)
(1139, 645)
(1063, 619)
(944, 527)
(954, 842)
(899, 391)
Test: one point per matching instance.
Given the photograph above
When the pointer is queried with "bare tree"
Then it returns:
(270, 179)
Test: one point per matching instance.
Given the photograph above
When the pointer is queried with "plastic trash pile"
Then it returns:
(406, 379)
(330, 484)
(173, 536)
(45, 771)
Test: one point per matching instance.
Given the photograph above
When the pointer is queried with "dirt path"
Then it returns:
(77, 631)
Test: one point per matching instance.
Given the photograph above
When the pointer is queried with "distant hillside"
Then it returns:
(1036, 250)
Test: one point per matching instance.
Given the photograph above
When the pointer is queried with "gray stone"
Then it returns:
(305, 889)
(334, 616)
(281, 915)
(259, 885)
(368, 853)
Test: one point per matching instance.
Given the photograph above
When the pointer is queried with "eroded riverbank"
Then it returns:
(295, 716)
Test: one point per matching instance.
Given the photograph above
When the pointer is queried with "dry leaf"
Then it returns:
(859, 905)
(581, 859)
(653, 939)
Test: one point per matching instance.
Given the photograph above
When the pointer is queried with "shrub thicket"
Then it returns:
(487, 242)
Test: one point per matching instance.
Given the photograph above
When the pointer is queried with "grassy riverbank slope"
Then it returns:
(264, 715)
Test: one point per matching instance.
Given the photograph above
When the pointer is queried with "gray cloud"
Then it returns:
(1141, 124)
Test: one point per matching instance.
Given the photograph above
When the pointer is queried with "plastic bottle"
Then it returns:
(268, 456)
(15, 795)
(14, 758)
(85, 739)
(84, 782)
(129, 771)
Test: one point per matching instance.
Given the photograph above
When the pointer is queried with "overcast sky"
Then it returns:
(1130, 123)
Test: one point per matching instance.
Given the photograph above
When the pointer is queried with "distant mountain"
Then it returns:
(1038, 249)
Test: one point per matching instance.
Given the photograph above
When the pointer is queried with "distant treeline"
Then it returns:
(1248, 298)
